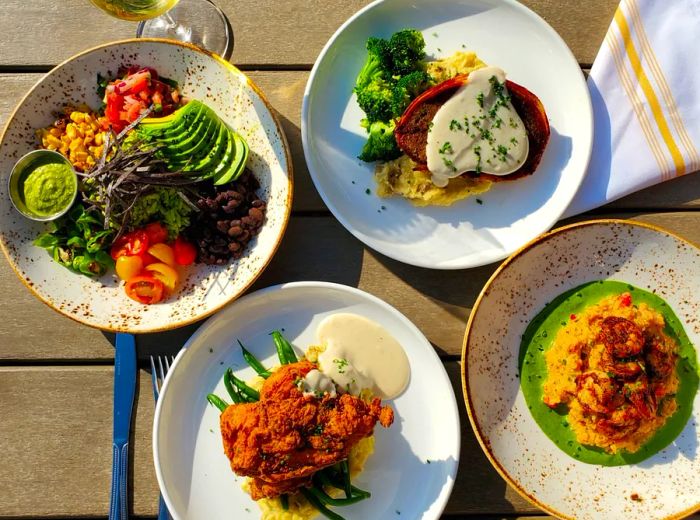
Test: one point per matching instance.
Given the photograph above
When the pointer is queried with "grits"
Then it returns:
(614, 368)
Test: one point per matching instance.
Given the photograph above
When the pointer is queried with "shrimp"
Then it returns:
(598, 392)
(621, 337)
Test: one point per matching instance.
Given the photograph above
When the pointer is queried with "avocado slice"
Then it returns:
(213, 156)
(196, 142)
(172, 124)
(238, 161)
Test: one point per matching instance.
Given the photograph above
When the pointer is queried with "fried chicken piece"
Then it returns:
(284, 438)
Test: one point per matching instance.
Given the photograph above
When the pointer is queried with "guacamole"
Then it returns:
(47, 188)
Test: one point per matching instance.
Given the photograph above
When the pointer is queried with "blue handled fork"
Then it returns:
(159, 369)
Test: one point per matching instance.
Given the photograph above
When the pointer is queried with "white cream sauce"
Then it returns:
(316, 384)
(478, 130)
(360, 354)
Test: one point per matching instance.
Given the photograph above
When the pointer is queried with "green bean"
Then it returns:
(326, 499)
(285, 351)
(254, 363)
(217, 401)
(345, 471)
(232, 390)
(284, 499)
(319, 505)
(328, 477)
(246, 391)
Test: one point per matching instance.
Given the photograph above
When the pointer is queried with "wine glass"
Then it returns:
(195, 21)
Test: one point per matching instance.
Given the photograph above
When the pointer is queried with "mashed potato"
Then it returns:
(399, 177)
(614, 369)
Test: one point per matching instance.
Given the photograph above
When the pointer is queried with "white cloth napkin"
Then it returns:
(645, 89)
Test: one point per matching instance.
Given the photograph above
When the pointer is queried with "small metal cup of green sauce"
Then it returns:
(43, 185)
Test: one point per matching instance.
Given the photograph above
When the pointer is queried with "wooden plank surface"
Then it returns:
(285, 90)
(267, 32)
(438, 302)
(56, 438)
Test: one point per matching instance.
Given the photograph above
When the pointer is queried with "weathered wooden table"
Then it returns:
(56, 375)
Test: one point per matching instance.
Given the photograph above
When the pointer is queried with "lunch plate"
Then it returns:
(664, 485)
(414, 464)
(479, 229)
(103, 303)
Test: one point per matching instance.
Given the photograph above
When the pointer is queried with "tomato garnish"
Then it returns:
(163, 252)
(134, 243)
(165, 274)
(626, 300)
(185, 253)
(156, 232)
(128, 266)
(145, 289)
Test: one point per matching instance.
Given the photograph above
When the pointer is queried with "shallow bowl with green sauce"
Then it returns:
(502, 392)
(43, 185)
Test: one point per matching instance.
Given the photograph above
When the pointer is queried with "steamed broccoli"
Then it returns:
(373, 84)
(381, 143)
(407, 89)
(407, 50)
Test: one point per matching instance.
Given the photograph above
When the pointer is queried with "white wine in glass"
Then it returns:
(135, 10)
(194, 21)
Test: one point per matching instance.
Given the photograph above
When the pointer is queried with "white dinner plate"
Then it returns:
(415, 461)
(503, 33)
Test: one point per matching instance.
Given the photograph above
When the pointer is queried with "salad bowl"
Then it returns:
(102, 302)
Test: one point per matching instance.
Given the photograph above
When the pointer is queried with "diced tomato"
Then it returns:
(626, 300)
(165, 274)
(156, 232)
(145, 289)
(572, 317)
(134, 83)
(134, 243)
(134, 111)
(163, 252)
(185, 253)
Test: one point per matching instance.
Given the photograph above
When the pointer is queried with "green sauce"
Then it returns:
(538, 338)
(47, 188)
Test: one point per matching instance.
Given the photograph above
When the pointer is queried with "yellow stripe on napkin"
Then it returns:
(671, 107)
(649, 93)
(637, 105)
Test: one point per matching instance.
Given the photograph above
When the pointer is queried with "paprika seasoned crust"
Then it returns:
(413, 126)
(283, 439)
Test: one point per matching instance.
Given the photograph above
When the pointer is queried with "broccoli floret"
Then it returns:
(375, 100)
(374, 83)
(381, 143)
(407, 50)
(408, 88)
(377, 64)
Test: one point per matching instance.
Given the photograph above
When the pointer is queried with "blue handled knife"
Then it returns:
(124, 389)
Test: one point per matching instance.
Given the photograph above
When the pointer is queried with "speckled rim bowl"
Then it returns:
(18, 169)
(102, 303)
(640, 254)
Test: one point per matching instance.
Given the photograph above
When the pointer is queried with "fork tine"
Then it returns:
(162, 371)
(154, 379)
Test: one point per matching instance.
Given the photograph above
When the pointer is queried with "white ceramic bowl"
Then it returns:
(102, 303)
(414, 463)
(503, 33)
(642, 255)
